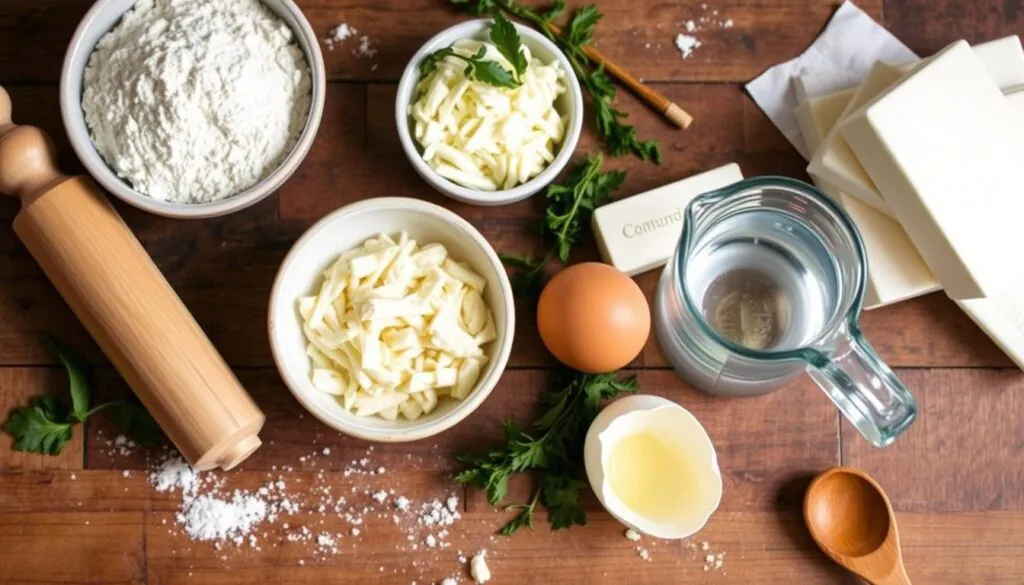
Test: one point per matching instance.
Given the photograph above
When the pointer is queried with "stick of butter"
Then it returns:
(896, 271)
(639, 233)
(944, 146)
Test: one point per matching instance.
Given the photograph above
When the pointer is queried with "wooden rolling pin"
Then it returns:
(121, 297)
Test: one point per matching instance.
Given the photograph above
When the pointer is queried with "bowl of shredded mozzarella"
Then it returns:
(391, 319)
(482, 140)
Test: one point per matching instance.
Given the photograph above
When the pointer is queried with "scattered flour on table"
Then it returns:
(686, 45)
(299, 511)
(338, 35)
(193, 101)
(688, 42)
(366, 48)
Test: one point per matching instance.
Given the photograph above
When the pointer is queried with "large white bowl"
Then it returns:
(103, 16)
(344, 229)
(569, 104)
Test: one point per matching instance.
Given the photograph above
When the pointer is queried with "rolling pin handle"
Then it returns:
(5, 111)
(28, 163)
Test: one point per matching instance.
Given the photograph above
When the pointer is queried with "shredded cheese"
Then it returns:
(395, 326)
(485, 137)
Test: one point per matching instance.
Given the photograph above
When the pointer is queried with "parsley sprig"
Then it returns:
(506, 39)
(569, 207)
(619, 138)
(553, 448)
(44, 426)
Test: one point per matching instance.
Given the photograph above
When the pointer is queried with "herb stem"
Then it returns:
(593, 166)
(96, 409)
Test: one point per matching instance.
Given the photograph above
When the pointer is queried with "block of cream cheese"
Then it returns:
(896, 271)
(1002, 319)
(1016, 100)
(818, 115)
(944, 148)
(1004, 60)
(835, 163)
(638, 233)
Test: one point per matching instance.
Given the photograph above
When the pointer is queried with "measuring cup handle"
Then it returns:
(864, 389)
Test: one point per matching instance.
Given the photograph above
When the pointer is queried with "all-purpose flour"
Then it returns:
(193, 101)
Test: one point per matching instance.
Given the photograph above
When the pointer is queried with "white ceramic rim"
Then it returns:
(484, 387)
(406, 89)
(82, 144)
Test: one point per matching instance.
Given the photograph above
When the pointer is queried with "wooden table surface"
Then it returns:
(956, 478)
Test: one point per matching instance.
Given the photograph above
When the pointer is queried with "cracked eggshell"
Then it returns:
(666, 418)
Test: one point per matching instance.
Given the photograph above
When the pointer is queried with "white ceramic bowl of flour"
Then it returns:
(101, 19)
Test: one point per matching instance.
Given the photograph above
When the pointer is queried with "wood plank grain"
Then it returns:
(72, 547)
(292, 437)
(951, 20)
(758, 454)
(964, 441)
(761, 549)
(34, 35)
(17, 387)
(965, 547)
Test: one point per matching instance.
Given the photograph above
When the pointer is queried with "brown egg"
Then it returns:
(593, 318)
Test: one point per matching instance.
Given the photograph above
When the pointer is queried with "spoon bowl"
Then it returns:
(852, 521)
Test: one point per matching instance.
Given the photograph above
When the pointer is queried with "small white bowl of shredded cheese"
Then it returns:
(391, 319)
(482, 144)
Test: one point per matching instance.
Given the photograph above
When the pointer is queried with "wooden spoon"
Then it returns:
(851, 519)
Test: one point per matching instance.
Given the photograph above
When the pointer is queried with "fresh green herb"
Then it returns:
(44, 426)
(40, 427)
(506, 39)
(571, 204)
(620, 138)
(528, 274)
(554, 448)
(569, 208)
(483, 70)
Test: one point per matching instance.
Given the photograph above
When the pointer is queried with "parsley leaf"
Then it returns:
(620, 138)
(553, 12)
(77, 384)
(44, 426)
(580, 30)
(527, 274)
(553, 448)
(476, 7)
(136, 421)
(506, 39)
(483, 70)
(560, 494)
(571, 204)
(40, 427)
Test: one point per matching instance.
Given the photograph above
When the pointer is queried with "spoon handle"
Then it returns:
(897, 577)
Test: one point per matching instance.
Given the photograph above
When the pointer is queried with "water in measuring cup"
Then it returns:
(763, 280)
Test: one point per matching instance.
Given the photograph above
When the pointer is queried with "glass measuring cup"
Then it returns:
(767, 282)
